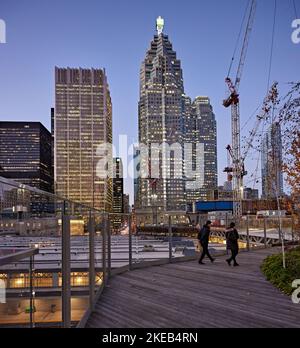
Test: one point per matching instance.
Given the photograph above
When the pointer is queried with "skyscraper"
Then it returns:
(82, 129)
(206, 134)
(126, 204)
(25, 154)
(118, 191)
(271, 162)
(161, 121)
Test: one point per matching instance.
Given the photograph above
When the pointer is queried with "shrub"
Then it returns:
(277, 275)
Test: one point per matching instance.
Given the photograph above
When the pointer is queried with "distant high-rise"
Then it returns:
(161, 121)
(228, 185)
(118, 191)
(271, 162)
(25, 154)
(82, 124)
(201, 127)
(251, 194)
(126, 204)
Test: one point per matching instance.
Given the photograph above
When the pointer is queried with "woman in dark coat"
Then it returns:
(232, 238)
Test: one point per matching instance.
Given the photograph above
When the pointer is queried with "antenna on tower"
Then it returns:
(160, 22)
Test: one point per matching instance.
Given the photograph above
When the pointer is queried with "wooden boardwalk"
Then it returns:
(189, 295)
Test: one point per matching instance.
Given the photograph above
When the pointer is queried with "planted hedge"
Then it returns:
(277, 275)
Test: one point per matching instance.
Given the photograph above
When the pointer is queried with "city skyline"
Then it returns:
(211, 59)
(149, 166)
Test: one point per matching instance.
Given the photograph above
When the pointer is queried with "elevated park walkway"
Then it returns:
(189, 295)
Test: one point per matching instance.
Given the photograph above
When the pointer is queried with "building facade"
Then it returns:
(271, 163)
(251, 194)
(171, 178)
(83, 137)
(202, 129)
(126, 204)
(161, 121)
(25, 154)
(118, 191)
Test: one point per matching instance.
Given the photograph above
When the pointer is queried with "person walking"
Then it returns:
(203, 237)
(232, 238)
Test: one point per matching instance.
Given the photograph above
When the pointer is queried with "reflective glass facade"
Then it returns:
(25, 154)
(271, 162)
(161, 121)
(82, 123)
(203, 129)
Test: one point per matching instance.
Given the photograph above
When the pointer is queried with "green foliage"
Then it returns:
(277, 275)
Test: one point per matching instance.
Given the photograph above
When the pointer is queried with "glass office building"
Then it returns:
(205, 132)
(118, 191)
(25, 154)
(83, 136)
(161, 121)
(271, 162)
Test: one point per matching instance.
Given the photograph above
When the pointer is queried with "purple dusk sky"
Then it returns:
(116, 34)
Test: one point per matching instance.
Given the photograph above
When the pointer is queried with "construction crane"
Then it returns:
(233, 100)
(262, 117)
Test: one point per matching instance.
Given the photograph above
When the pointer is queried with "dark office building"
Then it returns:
(118, 191)
(25, 154)
(126, 204)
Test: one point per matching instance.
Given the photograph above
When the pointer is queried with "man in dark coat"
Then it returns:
(203, 238)
(232, 238)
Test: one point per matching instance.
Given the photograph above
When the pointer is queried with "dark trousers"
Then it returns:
(205, 252)
(234, 253)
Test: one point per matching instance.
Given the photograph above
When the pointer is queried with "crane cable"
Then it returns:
(295, 8)
(268, 87)
(272, 45)
(270, 62)
(238, 38)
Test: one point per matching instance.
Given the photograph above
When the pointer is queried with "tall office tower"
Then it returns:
(191, 137)
(25, 154)
(126, 204)
(136, 176)
(207, 126)
(201, 128)
(271, 163)
(52, 143)
(161, 121)
(118, 191)
(82, 129)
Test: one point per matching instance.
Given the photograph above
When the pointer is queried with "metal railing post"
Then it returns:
(108, 231)
(31, 305)
(104, 249)
(91, 230)
(66, 268)
(130, 243)
(170, 238)
(293, 228)
(248, 237)
(265, 232)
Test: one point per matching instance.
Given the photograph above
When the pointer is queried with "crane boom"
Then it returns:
(245, 45)
(233, 101)
(263, 115)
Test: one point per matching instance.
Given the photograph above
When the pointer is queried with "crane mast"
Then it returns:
(238, 171)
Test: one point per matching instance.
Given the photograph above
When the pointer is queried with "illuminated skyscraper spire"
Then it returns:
(160, 22)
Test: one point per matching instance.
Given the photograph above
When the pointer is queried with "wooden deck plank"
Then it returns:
(192, 295)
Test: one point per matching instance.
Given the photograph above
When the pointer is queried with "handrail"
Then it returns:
(20, 186)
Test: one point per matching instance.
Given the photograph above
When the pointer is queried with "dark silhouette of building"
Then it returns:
(118, 191)
(25, 154)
